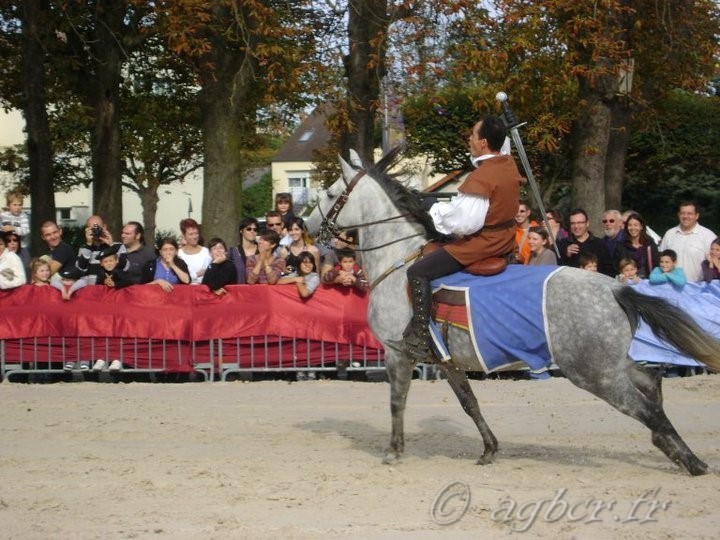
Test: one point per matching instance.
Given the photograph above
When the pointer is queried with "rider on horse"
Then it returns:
(481, 218)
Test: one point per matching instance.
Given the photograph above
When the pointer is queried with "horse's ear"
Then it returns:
(355, 159)
(348, 171)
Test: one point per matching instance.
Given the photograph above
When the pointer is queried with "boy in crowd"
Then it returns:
(14, 219)
(347, 272)
(668, 271)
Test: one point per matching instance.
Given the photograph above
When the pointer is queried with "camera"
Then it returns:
(96, 231)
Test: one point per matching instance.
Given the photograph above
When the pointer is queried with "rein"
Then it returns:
(328, 228)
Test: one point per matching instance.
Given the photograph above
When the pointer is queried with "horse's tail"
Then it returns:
(671, 324)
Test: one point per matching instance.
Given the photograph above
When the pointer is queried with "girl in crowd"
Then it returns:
(40, 272)
(247, 246)
(711, 264)
(306, 279)
(265, 267)
(638, 246)
(301, 241)
(221, 271)
(195, 255)
(540, 252)
(284, 205)
(628, 272)
(167, 269)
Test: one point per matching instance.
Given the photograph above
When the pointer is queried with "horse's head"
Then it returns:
(364, 196)
(331, 214)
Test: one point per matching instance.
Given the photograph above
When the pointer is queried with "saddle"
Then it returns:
(484, 267)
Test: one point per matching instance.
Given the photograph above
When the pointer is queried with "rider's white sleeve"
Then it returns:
(462, 215)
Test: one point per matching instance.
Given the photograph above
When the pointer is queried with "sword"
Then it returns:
(511, 122)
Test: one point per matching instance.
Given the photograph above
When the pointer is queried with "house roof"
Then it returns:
(453, 177)
(312, 134)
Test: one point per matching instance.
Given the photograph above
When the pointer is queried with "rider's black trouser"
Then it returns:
(436, 264)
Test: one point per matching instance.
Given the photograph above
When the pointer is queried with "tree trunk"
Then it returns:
(149, 201)
(39, 145)
(103, 98)
(617, 153)
(368, 23)
(228, 101)
(590, 135)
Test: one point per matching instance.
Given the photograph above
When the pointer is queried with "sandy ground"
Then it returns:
(303, 460)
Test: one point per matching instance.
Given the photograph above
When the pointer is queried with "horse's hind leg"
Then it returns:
(399, 371)
(461, 386)
(643, 402)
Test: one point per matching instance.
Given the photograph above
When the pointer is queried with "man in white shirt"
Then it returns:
(690, 240)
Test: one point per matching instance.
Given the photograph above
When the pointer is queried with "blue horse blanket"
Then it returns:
(507, 317)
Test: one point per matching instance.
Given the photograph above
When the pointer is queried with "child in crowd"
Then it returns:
(306, 279)
(14, 219)
(668, 272)
(589, 262)
(628, 272)
(540, 251)
(40, 272)
(347, 272)
(109, 273)
(711, 264)
(284, 205)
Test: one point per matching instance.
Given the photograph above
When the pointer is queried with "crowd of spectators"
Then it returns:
(628, 249)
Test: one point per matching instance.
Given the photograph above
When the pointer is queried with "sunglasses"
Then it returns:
(608, 221)
(274, 224)
(251, 228)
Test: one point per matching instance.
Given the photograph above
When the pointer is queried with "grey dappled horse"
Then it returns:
(591, 317)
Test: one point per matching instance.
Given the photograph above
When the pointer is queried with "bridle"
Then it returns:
(329, 228)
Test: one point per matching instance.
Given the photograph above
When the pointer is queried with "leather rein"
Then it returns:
(329, 228)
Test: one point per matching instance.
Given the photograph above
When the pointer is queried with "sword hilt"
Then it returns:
(509, 117)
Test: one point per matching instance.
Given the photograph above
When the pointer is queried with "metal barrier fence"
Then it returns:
(213, 359)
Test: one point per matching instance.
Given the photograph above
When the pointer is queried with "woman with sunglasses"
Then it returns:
(554, 223)
(248, 230)
(12, 273)
(12, 243)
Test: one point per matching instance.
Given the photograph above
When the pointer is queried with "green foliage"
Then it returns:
(439, 124)
(675, 159)
(257, 199)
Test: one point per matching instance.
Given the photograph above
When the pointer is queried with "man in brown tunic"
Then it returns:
(481, 217)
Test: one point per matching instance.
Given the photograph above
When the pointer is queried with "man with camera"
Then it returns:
(97, 237)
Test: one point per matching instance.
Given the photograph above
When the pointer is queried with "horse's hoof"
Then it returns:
(391, 458)
(698, 468)
(486, 459)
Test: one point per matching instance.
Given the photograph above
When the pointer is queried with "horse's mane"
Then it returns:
(406, 200)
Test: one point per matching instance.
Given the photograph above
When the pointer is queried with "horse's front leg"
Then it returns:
(399, 371)
(461, 386)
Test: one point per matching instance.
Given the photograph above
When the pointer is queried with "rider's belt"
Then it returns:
(498, 226)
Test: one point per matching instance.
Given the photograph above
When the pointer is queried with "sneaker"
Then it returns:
(115, 365)
(69, 366)
(301, 376)
(99, 365)
(356, 364)
(84, 366)
(311, 376)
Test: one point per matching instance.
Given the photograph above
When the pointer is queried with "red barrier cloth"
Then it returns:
(189, 313)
